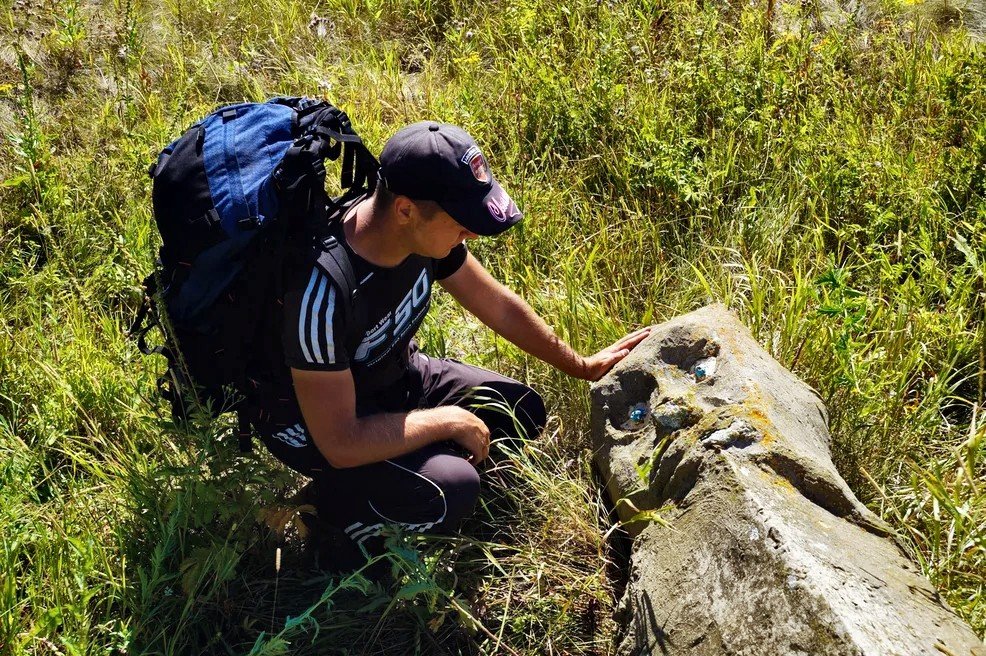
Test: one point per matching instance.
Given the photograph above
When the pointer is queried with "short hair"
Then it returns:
(384, 198)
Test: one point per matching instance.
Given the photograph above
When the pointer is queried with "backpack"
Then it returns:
(228, 196)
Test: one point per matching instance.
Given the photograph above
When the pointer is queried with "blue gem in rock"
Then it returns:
(704, 368)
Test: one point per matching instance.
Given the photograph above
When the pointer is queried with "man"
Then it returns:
(385, 431)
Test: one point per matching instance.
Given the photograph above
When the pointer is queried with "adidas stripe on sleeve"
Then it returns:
(313, 325)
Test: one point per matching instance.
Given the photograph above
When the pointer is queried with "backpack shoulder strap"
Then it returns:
(334, 261)
(332, 257)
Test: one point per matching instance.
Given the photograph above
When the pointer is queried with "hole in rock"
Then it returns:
(687, 351)
(629, 402)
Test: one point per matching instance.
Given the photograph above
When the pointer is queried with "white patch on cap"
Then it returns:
(477, 164)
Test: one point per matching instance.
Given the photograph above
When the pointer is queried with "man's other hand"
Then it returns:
(471, 433)
(595, 366)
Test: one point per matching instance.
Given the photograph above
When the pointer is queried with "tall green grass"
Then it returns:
(828, 185)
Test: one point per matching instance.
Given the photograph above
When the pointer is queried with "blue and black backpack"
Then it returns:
(229, 195)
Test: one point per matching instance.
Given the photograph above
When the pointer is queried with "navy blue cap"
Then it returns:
(442, 163)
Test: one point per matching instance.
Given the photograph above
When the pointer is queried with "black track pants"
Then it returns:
(429, 490)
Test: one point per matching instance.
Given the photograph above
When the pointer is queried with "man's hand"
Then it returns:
(595, 366)
(328, 403)
(471, 434)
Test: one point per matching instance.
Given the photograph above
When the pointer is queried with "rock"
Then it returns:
(764, 549)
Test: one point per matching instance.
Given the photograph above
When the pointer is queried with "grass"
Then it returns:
(828, 185)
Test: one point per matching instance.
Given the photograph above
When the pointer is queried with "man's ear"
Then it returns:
(403, 208)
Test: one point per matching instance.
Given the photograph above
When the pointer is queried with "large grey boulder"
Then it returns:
(763, 548)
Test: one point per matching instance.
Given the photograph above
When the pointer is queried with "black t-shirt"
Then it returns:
(319, 334)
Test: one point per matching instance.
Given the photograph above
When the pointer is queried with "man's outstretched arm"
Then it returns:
(509, 315)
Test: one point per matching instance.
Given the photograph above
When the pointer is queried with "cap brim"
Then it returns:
(486, 214)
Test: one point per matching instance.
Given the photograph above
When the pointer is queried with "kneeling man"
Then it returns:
(387, 432)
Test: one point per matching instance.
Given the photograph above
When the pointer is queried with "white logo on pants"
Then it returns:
(294, 436)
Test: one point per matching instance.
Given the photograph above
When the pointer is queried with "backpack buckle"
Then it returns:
(329, 243)
(210, 219)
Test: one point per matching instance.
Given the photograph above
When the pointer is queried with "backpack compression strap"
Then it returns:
(326, 133)
(334, 132)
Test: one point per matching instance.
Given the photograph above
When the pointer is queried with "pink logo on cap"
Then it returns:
(495, 211)
(501, 206)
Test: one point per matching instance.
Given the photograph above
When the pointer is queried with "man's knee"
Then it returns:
(431, 490)
(459, 483)
(525, 414)
(532, 414)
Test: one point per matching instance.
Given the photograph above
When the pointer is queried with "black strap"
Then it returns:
(325, 131)
(146, 319)
(365, 173)
(348, 164)
(209, 219)
(334, 130)
(243, 431)
(150, 288)
(334, 261)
